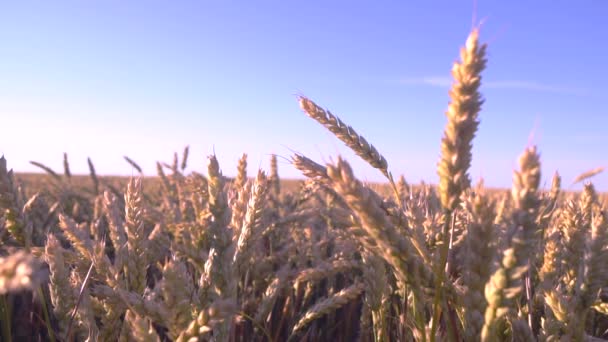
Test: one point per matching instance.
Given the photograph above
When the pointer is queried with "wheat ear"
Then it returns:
(456, 146)
(506, 285)
(347, 134)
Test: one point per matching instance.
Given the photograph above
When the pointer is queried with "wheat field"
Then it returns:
(197, 256)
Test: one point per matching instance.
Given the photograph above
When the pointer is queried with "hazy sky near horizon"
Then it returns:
(145, 78)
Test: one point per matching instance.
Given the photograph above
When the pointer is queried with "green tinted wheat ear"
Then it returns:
(177, 289)
(505, 287)
(136, 239)
(597, 273)
(273, 178)
(117, 232)
(10, 208)
(526, 207)
(576, 224)
(549, 203)
(62, 293)
(480, 252)
(241, 188)
(83, 317)
(218, 203)
(587, 203)
(549, 276)
(526, 204)
(218, 267)
(551, 268)
(556, 184)
(462, 123)
(592, 277)
(572, 251)
(347, 134)
(111, 322)
(251, 220)
(77, 235)
(376, 293)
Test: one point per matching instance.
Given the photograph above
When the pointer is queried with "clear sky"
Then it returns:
(145, 78)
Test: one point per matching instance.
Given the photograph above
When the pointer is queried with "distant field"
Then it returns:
(151, 184)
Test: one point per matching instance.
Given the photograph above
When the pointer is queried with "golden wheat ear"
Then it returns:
(456, 149)
(462, 115)
(347, 134)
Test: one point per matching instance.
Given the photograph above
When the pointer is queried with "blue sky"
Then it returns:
(145, 78)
